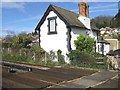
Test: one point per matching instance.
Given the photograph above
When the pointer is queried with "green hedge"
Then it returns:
(9, 57)
(13, 58)
(83, 59)
(77, 57)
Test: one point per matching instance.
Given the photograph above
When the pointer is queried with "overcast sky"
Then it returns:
(20, 16)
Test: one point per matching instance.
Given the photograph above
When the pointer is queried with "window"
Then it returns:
(52, 25)
(100, 47)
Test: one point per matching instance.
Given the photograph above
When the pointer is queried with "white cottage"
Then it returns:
(59, 27)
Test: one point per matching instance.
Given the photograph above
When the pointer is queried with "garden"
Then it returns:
(21, 50)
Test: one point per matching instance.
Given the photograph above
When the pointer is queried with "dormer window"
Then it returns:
(52, 25)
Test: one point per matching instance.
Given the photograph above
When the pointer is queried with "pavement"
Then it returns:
(94, 80)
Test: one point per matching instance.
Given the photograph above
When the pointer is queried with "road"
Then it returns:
(52, 77)
(101, 79)
(109, 84)
(39, 77)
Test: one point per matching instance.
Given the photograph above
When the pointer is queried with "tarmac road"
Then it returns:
(109, 84)
(39, 78)
(46, 78)
(101, 79)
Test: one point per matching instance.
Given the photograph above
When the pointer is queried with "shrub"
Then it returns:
(60, 57)
(51, 55)
(85, 44)
(77, 58)
(37, 49)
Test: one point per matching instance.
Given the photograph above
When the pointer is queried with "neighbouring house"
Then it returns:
(103, 46)
(112, 35)
(107, 31)
(114, 42)
(58, 28)
(33, 39)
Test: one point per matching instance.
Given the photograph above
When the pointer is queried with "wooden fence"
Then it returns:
(25, 53)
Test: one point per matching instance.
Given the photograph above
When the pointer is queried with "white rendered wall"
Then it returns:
(85, 21)
(94, 35)
(74, 34)
(107, 48)
(54, 41)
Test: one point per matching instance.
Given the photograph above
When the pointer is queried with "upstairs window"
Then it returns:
(52, 25)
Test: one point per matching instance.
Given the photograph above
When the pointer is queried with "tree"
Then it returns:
(11, 40)
(102, 21)
(85, 43)
(115, 22)
(18, 41)
(83, 54)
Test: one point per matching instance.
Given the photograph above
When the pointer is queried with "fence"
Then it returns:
(25, 53)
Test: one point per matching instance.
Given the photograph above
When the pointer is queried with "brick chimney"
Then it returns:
(84, 14)
(83, 9)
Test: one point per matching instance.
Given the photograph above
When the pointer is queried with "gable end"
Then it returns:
(50, 8)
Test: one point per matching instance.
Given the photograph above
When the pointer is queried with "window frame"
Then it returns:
(49, 30)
